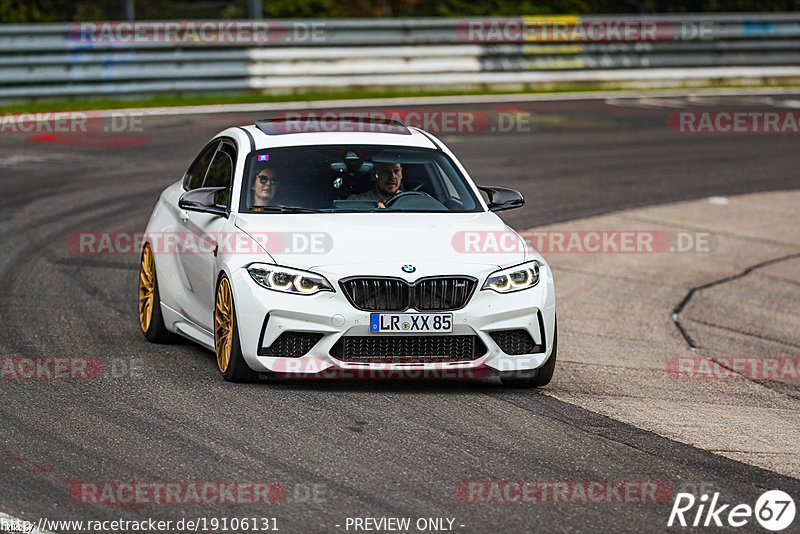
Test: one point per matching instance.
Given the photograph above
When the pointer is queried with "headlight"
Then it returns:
(288, 280)
(514, 278)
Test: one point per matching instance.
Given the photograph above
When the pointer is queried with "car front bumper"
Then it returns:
(263, 315)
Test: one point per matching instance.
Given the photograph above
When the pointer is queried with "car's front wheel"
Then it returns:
(533, 378)
(230, 361)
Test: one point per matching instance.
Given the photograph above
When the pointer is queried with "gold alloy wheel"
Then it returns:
(223, 325)
(147, 288)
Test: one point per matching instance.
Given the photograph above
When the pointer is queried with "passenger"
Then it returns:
(386, 181)
(265, 186)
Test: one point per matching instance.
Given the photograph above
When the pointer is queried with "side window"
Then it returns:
(197, 172)
(220, 173)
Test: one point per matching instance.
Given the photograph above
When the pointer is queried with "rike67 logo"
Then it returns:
(774, 510)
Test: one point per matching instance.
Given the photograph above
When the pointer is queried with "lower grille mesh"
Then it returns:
(408, 349)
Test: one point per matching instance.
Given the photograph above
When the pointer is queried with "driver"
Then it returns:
(385, 184)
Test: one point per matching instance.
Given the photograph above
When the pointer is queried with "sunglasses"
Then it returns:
(267, 179)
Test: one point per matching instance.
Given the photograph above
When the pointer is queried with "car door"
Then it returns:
(173, 282)
(200, 264)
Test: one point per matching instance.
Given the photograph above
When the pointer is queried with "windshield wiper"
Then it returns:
(284, 209)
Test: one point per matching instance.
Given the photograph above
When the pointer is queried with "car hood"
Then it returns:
(310, 241)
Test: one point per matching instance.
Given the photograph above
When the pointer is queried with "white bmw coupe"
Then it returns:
(348, 247)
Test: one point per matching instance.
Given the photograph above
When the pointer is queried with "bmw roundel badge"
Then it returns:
(409, 268)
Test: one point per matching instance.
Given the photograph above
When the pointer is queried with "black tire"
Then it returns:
(534, 378)
(156, 331)
(237, 369)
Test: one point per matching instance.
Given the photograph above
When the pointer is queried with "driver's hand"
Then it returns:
(381, 206)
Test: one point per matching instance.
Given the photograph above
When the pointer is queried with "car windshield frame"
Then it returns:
(288, 208)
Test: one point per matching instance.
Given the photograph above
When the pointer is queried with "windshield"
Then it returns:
(353, 178)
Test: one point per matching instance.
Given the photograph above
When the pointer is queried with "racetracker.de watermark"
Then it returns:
(754, 368)
(583, 241)
(564, 492)
(94, 129)
(50, 368)
(734, 122)
(71, 122)
(219, 32)
(70, 368)
(176, 493)
(570, 29)
(436, 121)
(116, 243)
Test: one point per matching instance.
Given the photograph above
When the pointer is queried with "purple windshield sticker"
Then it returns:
(263, 158)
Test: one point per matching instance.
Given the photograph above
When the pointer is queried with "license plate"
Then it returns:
(411, 322)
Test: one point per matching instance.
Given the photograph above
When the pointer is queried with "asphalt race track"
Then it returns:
(342, 449)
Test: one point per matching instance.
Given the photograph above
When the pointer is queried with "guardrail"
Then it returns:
(97, 59)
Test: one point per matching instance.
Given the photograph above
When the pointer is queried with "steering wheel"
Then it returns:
(407, 194)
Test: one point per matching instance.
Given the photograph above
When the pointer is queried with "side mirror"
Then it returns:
(502, 198)
(204, 200)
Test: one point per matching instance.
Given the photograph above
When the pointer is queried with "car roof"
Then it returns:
(277, 133)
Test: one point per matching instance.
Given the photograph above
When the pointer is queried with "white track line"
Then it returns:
(441, 100)
(421, 101)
